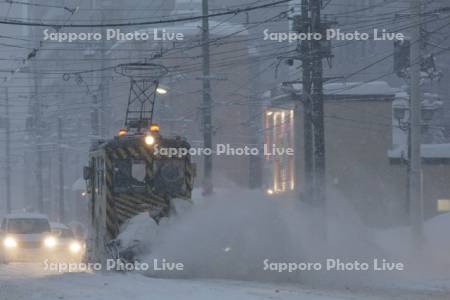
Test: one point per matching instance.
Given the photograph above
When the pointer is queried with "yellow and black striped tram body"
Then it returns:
(127, 176)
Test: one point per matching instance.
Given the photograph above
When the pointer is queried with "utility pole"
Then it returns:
(33, 161)
(8, 153)
(307, 106)
(415, 167)
(39, 165)
(317, 106)
(37, 122)
(95, 101)
(61, 205)
(206, 107)
(95, 122)
(37, 128)
(311, 54)
(254, 113)
(104, 87)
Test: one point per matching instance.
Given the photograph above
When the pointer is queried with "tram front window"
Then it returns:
(170, 176)
(129, 175)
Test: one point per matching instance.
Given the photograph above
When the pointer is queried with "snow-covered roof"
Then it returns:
(354, 88)
(432, 151)
(358, 88)
(369, 90)
(26, 216)
(402, 96)
(55, 225)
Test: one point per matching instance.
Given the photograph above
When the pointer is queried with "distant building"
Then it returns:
(360, 152)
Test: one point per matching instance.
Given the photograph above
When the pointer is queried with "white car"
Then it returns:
(69, 247)
(26, 237)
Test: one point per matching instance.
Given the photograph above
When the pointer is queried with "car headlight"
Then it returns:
(10, 242)
(50, 242)
(75, 247)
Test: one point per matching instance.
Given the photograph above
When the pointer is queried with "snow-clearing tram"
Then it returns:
(127, 176)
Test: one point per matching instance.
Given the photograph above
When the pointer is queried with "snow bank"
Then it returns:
(140, 229)
(231, 234)
(437, 232)
(432, 258)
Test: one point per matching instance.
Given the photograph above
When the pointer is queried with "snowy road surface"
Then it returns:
(30, 282)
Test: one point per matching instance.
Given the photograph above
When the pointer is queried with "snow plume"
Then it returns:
(231, 234)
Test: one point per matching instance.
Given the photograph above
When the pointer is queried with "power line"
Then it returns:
(71, 10)
(194, 18)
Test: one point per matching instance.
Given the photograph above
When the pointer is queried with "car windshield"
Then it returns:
(28, 226)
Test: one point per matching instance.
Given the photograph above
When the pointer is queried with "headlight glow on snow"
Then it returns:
(75, 247)
(50, 242)
(149, 140)
(9, 242)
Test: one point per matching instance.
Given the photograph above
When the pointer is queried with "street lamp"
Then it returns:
(430, 105)
(162, 89)
(399, 110)
(427, 113)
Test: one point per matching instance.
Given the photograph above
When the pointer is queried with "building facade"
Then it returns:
(363, 164)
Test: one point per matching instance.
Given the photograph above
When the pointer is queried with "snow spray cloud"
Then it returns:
(235, 233)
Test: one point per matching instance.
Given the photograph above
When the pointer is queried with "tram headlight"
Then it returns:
(10, 242)
(50, 242)
(149, 140)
